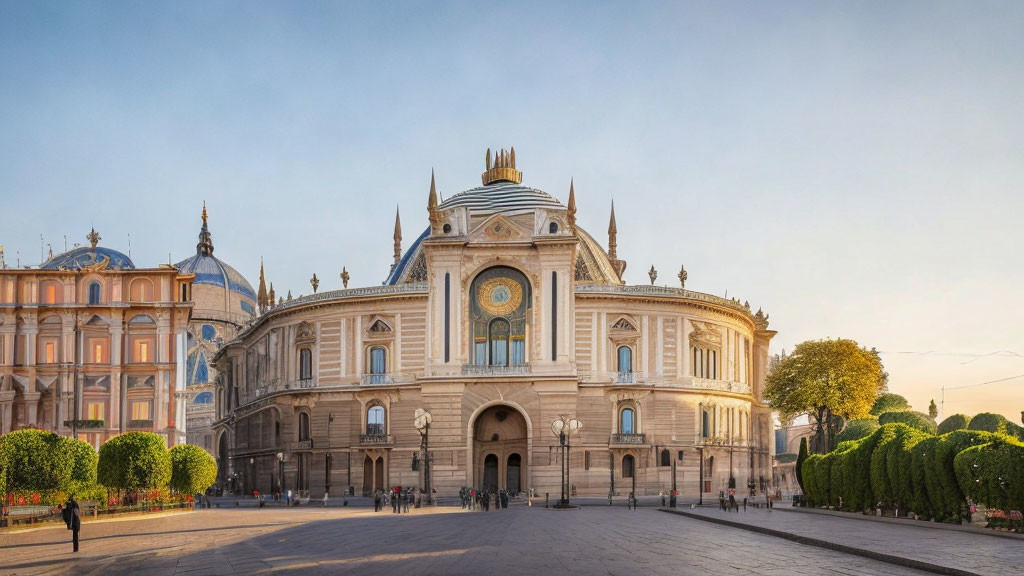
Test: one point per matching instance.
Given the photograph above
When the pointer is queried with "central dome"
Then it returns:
(502, 197)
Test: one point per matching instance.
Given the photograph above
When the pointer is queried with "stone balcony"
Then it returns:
(302, 445)
(487, 370)
(376, 379)
(371, 440)
(627, 440)
(140, 424)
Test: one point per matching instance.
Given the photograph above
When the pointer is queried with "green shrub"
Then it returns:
(812, 486)
(954, 423)
(860, 495)
(857, 429)
(992, 474)
(898, 464)
(134, 461)
(927, 492)
(36, 461)
(881, 488)
(192, 469)
(951, 502)
(800, 459)
(989, 422)
(916, 420)
(889, 403)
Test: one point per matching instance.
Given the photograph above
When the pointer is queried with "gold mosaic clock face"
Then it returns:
(500, 296)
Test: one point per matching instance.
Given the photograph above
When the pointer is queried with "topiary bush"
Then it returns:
(134, 461)
(898, 464)
(918, 420)
(926, 490)
(193, 470)
(800, 459)
(989, 422)
(951, 503)
(954, 423)
(857, 429)
(992, 474)
(36, 461)
(889, 402)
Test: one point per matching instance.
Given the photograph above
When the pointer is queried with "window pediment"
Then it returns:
(305, 333)
(705, 335)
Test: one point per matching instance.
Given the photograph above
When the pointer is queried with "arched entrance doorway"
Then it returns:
(499, 445)
(373, 474)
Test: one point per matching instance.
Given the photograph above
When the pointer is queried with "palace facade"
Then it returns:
(90, 346)
(502, 316)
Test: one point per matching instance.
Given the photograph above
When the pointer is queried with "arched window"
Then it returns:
(499, 308)
(627, 421)
(303, 426)
(628, 463)
(625, 357)
(666, 458)
(553, 228)
(378, 360)
(94, 292)
(204, 398)
(375, 424)
(305, 364)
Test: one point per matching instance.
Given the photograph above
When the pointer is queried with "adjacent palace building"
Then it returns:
(501, 317)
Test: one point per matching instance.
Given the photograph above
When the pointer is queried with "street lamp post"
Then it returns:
(280, 472)
(422, 421)
(563, 428)
(252, 473)
(700, 480)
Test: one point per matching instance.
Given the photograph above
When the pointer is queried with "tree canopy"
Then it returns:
(36, 460)
(857, 429)
(953, 423)
(192, 469)
(889, 402)
(832, 380)
(134, 461)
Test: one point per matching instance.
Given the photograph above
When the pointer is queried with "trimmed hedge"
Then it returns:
(857, 429)
(900, 466)
(918, 420)
(954, 423)
(193, 470)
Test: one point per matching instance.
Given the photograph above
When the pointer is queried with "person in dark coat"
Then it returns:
(75, 521)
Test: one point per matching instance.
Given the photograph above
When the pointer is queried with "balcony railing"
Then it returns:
(625, 377)
(302, 445)
(377, 379)
(488, 370)
(721, 385)
(86, 424)
(628, 439)
(376, 439)
(148, 424)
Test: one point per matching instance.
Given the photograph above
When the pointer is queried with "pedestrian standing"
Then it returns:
(75, 522)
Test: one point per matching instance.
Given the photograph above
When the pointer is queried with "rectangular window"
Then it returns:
(49, 353)
(142, 351)
(586, 459)
(95, 411)
(51, 294)
(141, 410)
(97, 353)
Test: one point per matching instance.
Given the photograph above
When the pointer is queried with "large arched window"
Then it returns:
(375, 424)
(94, 292)
(625, 359)
(303, 426)
(499, 311)
(378, 360)
(627, 421)
(305, 364)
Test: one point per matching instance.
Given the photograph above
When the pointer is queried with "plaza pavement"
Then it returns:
(309, 540)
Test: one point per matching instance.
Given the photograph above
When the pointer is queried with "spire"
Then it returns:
(432, 206)
(261, 294)
(205, 246)
(612, 232)
(398, 238)
(270, 296)
(572, 206)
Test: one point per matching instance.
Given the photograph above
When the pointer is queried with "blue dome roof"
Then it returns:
(87, 257)
(407, 259)
(210, 270)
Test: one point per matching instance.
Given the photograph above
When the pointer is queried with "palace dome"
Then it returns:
(96, 257)
(212, 271)
(502, 197)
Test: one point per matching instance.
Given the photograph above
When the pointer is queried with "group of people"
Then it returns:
(400, 499)
(472, 499)
(727, 503)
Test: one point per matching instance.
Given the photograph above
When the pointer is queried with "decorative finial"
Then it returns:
(572, 205)
(93, 237)
(289, 295)
(261, 293)
(314, 282)
(433, 212)
(653, 274)
(398, 239)
(682, 276)
(503, 169)
(746, 304)
(270, 296)
(344, 277)
(761, 320)
(204, 211)
(612, 233)
(205, 245)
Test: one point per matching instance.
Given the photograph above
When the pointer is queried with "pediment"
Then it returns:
(499, 228)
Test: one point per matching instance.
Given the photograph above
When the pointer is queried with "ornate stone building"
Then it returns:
(91, 346)
(502, 316)
(223, 301)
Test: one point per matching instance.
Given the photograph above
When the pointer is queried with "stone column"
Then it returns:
(6, 410)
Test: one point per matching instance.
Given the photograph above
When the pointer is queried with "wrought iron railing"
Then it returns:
(488, 370)
(94, 423)
(720, 385)
(625, 377)
(140, 423)
(628, 439)
(376, 439)
(377, 379)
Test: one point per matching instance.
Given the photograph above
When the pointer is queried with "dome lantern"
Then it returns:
(503, 169)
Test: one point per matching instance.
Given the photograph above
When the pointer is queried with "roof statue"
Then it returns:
(682, 276)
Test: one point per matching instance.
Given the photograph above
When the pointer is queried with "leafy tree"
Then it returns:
(889, 402)
(933, 410)
(953, 423)
(831, 380)
(134, 461)
(192, 469)
(913, 419)
(857, 429)
(800, 459)
(36, 460)
(989, 422)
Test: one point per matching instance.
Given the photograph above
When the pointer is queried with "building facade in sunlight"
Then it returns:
(92, 346)
(501, 317)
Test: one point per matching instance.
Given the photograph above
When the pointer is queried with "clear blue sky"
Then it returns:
(854, 167)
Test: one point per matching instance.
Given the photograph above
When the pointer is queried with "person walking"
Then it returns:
(74, 521)
(631, 502)
(408, 499)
